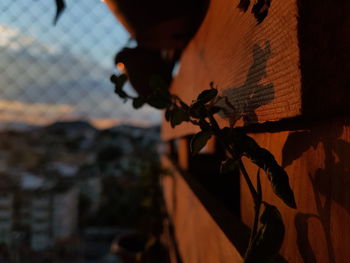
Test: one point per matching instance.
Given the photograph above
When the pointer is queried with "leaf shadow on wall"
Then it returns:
(328, 182)
(245, 99)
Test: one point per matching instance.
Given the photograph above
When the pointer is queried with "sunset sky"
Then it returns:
(50, 73)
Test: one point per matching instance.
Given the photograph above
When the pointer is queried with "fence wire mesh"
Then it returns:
(64, 185)
(50, 73)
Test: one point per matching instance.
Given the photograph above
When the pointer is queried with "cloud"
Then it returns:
(14, 40)
(8, 32)
(33, 113)
(44, 114)
(42, 83)
(106, 123)
(71, 81)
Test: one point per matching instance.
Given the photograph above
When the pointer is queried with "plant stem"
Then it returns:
(257, 206)
(249, 182)
(213, 123)
(252, 190)
(256, 194)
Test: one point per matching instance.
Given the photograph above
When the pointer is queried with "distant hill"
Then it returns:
(76, 125)
(126, 128)
(17, 126)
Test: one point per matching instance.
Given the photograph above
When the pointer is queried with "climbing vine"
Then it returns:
(267, 236)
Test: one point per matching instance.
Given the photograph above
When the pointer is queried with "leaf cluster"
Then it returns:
(160, 97)
(244, 145)
(267, 238)
(266, 241)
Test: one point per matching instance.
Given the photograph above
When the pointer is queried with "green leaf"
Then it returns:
(199, 140)
(265, 160)
(207, 95)
(228, 166)
(178, 116)
(138, 102)
(60, 6)
(268, 241)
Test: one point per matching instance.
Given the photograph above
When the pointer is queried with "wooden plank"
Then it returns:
(184, 153)
(317, 159)
(257, 66)
(295, 63)
(198, 235)
(324, 42)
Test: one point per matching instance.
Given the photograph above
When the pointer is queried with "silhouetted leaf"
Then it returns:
(243, 5)
(280, 184)
(114, 78)
(265, 160)
(258, 186)
(60, 5)
(138, 102)
(225, 134)
(178, 116)
(199, 140)
(207, 95)
(161, 98)
(184, 106)
(215, 109)
(120, 93)
(260, 10)
(158, 85)
(228, 166)
(197, 110)
(205, 126)
(211, 84)
(268, 241)
(120, 80)
(168, 113)
(158, 102)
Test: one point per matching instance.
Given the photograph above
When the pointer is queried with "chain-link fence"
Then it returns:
(50, 73)
(65, 185)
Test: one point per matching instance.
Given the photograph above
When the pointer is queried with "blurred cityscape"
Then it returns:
(67, 190)
(78, 166)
